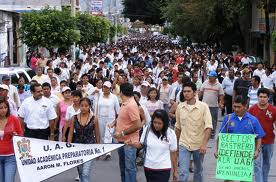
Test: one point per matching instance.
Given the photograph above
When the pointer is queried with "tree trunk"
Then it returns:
(267, 34)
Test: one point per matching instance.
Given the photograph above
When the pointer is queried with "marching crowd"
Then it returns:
(160, 99)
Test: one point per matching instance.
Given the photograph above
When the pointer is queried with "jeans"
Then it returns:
(85, 171)
(184, 164)
(262, 163)
(214, 114)
(127, 162)
(7, 168)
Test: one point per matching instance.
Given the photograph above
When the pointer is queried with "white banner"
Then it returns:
(38, 160)
(96, 7)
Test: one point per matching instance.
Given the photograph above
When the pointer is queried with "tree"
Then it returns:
(49, 28)
(274, 40)
(269, 7)
(208, 21)
(148, 11)
(93, 29)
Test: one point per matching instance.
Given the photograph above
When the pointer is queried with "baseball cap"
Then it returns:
(165, 78)
(212, 74)
(107, 84)
(5, 87)
(64, 89)
(150, 70)
(6, 77)
(145, 83)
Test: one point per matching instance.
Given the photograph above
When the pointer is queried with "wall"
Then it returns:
(5, 32)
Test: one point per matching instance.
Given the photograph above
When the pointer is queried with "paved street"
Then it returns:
(108, 171)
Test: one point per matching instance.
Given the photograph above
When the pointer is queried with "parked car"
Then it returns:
(16, 72)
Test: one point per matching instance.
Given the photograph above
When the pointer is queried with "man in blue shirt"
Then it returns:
(241, 122)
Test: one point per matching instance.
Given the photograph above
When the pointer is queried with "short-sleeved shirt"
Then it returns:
(211, 93)
(158, 151)
(241, 87)
(70, 112)
(266, 118)
(192, 120)
(37, 113)
(128, 114)
(247, 125)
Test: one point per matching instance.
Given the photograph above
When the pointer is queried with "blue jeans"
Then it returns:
(262, 163)
(127, 162)
(7, 168)
(184, 163)
(85, 171)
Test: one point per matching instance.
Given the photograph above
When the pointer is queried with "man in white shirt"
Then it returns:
(4, 91)
(38, 114)
(259, 71)
(245, 60)
(228, 85)
(40, 77)
(13, 93)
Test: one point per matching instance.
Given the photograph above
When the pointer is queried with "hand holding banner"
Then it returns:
(38, 160)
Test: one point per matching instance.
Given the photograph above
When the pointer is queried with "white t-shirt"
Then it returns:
(152, 106)
(259, 73)
(245, 60)
(37, 113)
(107, 107)
(70, 112)
(267, 81)
(158, 152)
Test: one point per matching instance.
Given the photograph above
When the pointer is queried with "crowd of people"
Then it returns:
(160, 99)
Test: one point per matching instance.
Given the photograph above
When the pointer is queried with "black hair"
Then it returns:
(87, 100)
(191, 85)
(153, 89)
(32, 88)
(57, 71)
(126, 89)
(98, 70)
(64, 81)
(163, 115)
(84, 75)
(76, 93)
(3, 100)
(46, 84)
(79, 83)
(263, 91)
(239, 99)
(185, 79)
(49, 69)
(257, 78)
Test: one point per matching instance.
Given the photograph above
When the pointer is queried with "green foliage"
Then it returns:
(121, 30)
(49, 28)
(93, 29)
(148, 11)
(204, 20)
(274, 40)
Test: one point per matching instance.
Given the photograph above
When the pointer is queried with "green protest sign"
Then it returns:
(235, 157)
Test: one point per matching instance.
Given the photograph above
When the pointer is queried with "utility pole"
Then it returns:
(73, 47)
(116, 22)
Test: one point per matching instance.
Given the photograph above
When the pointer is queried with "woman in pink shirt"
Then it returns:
(9, 126)
(62, 108)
